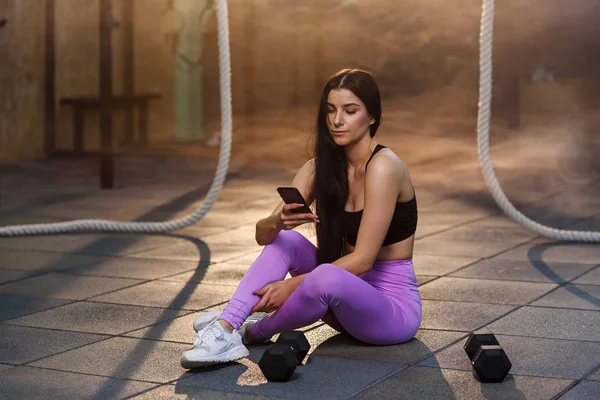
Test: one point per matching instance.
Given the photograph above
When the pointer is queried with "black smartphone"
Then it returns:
(292, 195)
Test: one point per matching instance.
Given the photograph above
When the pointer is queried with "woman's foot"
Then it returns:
(247, 335)
(209, 317)
(214, 344)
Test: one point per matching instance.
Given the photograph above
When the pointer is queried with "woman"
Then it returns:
(360, 278)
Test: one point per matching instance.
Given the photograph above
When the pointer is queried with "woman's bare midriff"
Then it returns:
(398, 251)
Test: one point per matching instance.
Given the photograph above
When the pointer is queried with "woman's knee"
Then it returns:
(289, 239)
(326, 279)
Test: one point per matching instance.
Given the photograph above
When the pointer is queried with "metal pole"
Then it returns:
(250, 41)
(106, 93)
(50, 80)
(128, 66)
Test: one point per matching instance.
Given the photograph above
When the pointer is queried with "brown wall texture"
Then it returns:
(283, 50)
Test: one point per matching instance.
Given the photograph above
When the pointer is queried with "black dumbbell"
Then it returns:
(490, 362)
(280, 360)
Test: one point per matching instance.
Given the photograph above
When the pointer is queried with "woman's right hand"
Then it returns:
(289, 220)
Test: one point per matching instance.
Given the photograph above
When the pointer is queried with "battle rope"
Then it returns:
(97, 225)
(483, 130)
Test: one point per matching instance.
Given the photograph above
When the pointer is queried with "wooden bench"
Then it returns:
(80, 105)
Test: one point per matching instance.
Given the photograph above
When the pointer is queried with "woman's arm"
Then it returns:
(268, 228)
(382, 186)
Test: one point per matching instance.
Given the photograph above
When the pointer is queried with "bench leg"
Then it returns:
(143, 123)
(107, 171)
(129, 126)
(78, 128)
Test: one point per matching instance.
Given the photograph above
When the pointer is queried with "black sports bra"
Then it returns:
(402, 226)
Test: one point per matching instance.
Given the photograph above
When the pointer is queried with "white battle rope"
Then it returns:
(96, 225)
(483, 130)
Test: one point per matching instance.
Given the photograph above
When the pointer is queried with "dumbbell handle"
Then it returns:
(483, 339)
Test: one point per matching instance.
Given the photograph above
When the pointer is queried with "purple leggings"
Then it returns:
(382, 306)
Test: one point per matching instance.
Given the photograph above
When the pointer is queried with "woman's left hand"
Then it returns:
(273, 296)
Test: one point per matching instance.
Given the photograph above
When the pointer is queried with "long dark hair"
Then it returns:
(330, 185)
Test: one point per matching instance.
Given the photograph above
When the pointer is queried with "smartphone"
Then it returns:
(292, 195)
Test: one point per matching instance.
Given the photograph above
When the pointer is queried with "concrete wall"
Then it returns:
(282, 51)
(21, 79)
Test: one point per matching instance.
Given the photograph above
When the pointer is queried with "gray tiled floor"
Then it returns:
(460, 316)
(484, 291)
(37, 383)
(585, 297)
(169, 295)
(439, 265)
(591, 278)
(547, 251)
(111, 319)
(463, 248)
(22, 344)
(124, 358)
(189, 392)
(120, 267)
(109, 315)
(595, 376)
(434, 383)
(525, 270)
(221, 274)
(585, 390)
(176, 330)
(16, 306)
(550, 323)
(63, 286)
(11, 275)
(318, 378)
(4, 367)
(327, 342)
(190, 252)
(550, 358)
(40, 261)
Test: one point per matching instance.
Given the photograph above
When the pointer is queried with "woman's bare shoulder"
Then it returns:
(387, 161)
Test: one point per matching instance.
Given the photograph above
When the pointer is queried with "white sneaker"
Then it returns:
(211, 316)
(214, 345)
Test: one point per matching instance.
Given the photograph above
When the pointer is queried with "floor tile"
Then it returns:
(458, 316)
(170, 295)
(484, 290)
(591, 278)
(586, 297)
(39, 261)
(321, 374)
(64, 286)
(135, 268)
(549, 358)
(182, 392)
(327, 342)
(439, 265)
(16, 306)
(19, 345)
(523, 270)
(110, 319)
(434, 383)
(565, 323)
(585, 390)
(11, 275)
(36, 383)
(124, 358)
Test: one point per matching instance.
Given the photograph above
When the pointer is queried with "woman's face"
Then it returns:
(347, 117)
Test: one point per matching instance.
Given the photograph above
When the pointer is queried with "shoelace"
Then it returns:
(210, 333)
